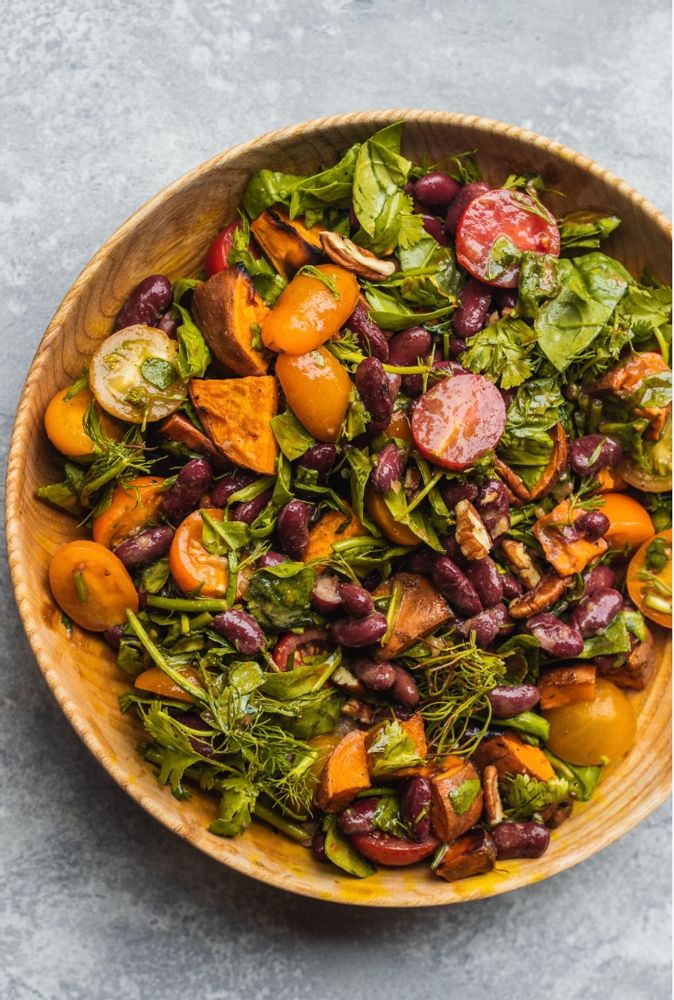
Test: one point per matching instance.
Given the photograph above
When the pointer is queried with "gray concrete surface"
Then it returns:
(103, 102)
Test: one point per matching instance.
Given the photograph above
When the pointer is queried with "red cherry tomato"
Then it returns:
(458, 420)
(495, 228)
(218, 251)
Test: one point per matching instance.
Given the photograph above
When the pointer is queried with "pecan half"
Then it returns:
(347, 681)
(359, 711)
(493, 807)
(518, 556)
(512, 481)
(545, 593)
(350, 256)
(471, 534)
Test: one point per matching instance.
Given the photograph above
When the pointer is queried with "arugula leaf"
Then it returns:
(361, 467)
(503, 352)
(292, 438)
(236, 806)
(586, 229)
(278, 596)
(389, 310)
(524, 796)
(379, 200)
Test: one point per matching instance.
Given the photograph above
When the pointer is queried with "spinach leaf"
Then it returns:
(329, 187)
(361, 467)
(278, 596)
(503, 352)
(529, 723)
(568, 323)
(387, 816)
(614, 639)
(540, 278)
(221, 537)
(193, 354)
(586, 229)
(302, 680)
(154, 576)
(582, 780)
(379, 200)
(389, 310)
(293, 439)
(266, 188)
(340, 851)
(316, 714)
(391, 749)
(533, 412)
(236, 806)
(414, 519)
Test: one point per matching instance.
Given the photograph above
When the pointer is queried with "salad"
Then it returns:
(379, 511)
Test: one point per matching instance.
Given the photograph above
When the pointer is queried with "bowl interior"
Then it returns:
(169, 234)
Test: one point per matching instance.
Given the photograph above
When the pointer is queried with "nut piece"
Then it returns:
(493, 808)
(350, 256)
(545, 593)
(359, 711)
(347, 681)
(518, 556)
(471, 535)
(512, 481)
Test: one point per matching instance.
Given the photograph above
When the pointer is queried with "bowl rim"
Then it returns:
(377, 119)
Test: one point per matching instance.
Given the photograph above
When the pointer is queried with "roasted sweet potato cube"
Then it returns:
(226, 307)
(638, 669)
(414, 727)
(345, 773)
(472, 854)
(237, 414)
(178, 428)
(456, 799)
(287, 243)
(565, 685)
(422, 610)
(327, 531)
(511, 755)
(567, 553)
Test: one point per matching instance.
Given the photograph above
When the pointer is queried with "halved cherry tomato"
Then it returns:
(496, 228)
(133, 507)
(458, 420)
(396, 532)
(652, 594)
(310, 310)
(134, 375)
(585, 731)
(191, 565)
(630, 522)
(610, 480)
(654, 473)
(216, 258)
(91, 585)
(317, 389)
(64, 424)
(156, 681)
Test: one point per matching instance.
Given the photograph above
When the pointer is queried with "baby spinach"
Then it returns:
(391, 749)
(301, 680)
(340, 851)
(293, 439)
(278, 596)
(194, 356)
(390, 311)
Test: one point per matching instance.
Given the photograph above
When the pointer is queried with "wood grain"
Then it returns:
(169, 234)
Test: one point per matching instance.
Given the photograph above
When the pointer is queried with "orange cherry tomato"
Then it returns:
(191, 565)
(64, 424)
(91, 585)
(317, 388)
(308, 312)
(397, 533)
(156, 681)
(652, 596)
(133, 507)
(610, 481)
(585, 731)
(630, 522)
(399, 427)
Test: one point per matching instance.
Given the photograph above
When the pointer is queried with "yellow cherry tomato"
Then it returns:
(310, 310)
(191, 564)
(133, 507)
(317, 389)
(630, 523)
(584, 732)
(64, 423)
(91, 585)
(397, 533)
(650, 587)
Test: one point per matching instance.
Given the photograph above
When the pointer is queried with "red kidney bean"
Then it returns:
(596, 611)
(370, 337)
(249, 510)
(385, 849)
(453, 550)
(407, 347)
(194, 721)
(507, 701)
(459, 205)
(145, 548)
(505, 298)
(592, 452)
(318, 846)
(353, 632)
(405, 688)
(229, 485)
(113, 636)
(520, 840)
(292, 528)
(374, 675)
(456, 347)
(456, 587)
(475, 301)
(494, 507)
(311, 641)
(271, 558)
(599, 578)
(356, 600)
(325, 594)
(374, 389)
(415, 803)
(421, 562)
(454, 491)
(169, 325)
(436, 190)
(357, 817)
(241, 630)
(388, 468)
(435, 228)
(556, 637)
(192, 482)
(593, 525)
(488, 582)
(511, 586)
(485, 625)
(320, 457)
(146, 302)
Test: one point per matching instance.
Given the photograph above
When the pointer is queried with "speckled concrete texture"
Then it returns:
(103, 102)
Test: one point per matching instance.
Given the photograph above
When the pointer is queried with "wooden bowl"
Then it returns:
(169, 234)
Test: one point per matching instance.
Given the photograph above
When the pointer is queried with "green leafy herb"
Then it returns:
(158, 372)
(387, 816)
(524, 796)
(391, 749)
(463, 796)
(193, 354)
(278, 596)
(614, 639)
(503, 352)
(582, 780)
(530, 724)
(586, 229)
(326, 279)
(236, 804)
(80, 383)
(155, 576)
(293, 439)
(340, 851)
(267, 282)
(221, 537)
(464, 167)
(302, 680)
(390, 311)
(379, 200)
